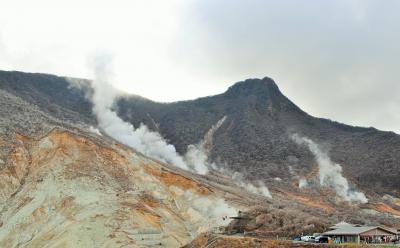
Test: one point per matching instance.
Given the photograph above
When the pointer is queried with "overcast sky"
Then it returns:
(335, 59)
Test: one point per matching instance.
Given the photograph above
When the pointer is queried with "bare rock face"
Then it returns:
(68, 190)
(63, 185)
(254, 139)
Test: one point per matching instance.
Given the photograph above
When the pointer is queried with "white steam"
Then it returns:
(303, 183)
(197, 159)
(151, 143)
(264, 190)
(197, 155)
(239, 180)
(95, 130)
(216, 210)
(142, 139)
(330, 173)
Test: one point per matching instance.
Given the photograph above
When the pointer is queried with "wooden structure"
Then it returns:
(348, 233)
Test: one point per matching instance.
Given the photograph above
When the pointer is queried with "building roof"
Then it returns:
(341, 225)
(348, 229)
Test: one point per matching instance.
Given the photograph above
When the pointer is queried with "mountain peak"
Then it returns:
(254, 86)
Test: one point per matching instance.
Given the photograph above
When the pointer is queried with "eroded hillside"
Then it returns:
(68, 190)
(64, 184)
(254, 139)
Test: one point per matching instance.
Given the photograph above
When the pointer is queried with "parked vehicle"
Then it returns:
(322, 239)
(297, 238)
(308, 238)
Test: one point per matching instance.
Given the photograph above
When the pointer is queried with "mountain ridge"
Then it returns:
(65, 183)
(254, 139)
(86, 83)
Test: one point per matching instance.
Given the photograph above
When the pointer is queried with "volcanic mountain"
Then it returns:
(64, 183)
(254, 139)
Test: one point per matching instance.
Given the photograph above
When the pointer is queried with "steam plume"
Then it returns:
(264, 190)
(197, 155)
(152, 143)
(330, 173)
(303, 183)
(95, 130)
(142, 139)
(239, 180)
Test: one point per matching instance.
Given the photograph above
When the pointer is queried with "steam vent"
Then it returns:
(82, 165)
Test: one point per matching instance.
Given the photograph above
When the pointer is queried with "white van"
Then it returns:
(308, 238)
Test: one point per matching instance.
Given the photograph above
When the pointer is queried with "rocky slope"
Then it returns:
(65, 185)
(71, 189)
(255, 138)
(68, 190)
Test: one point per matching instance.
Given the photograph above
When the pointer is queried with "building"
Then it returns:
(348, 233)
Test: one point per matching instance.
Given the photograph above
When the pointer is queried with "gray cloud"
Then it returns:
(335, 59)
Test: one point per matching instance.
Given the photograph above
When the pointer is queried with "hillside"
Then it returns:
(66, 185)
(254, 139)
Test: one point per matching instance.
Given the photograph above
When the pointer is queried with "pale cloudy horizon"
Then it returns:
(335, 59)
